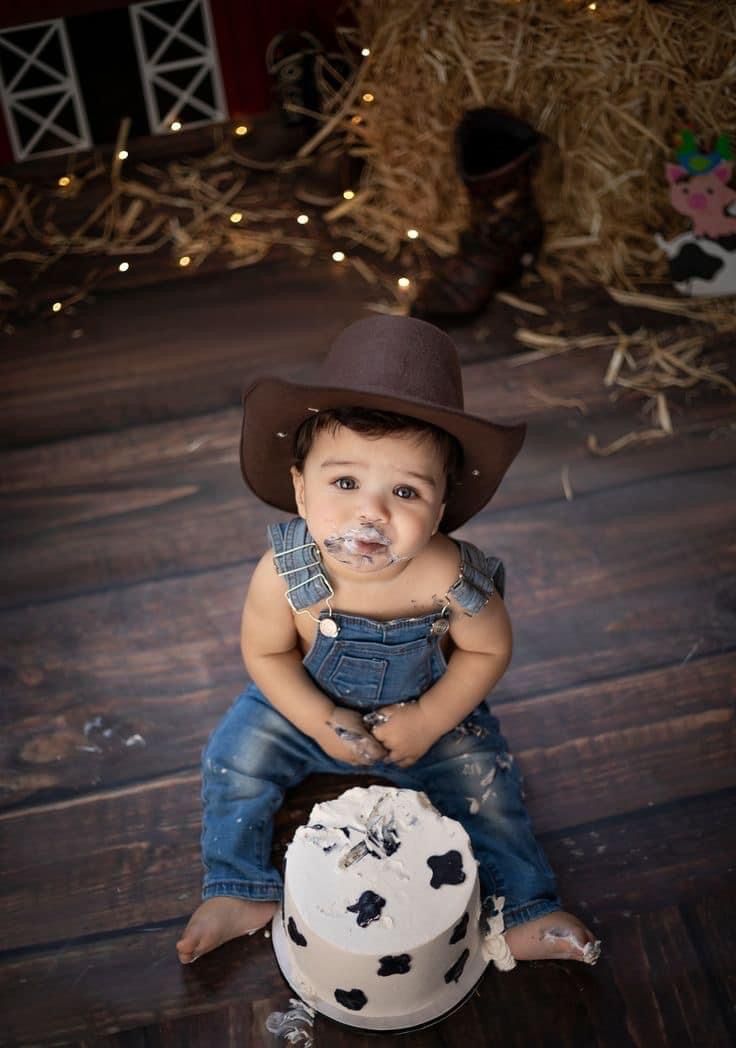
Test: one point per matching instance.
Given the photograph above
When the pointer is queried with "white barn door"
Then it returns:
(179, 66)
(44, 111)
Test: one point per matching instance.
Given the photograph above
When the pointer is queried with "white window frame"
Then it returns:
(62, 82)
(204, 60)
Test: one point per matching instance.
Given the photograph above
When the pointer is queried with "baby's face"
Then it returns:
(370, 502)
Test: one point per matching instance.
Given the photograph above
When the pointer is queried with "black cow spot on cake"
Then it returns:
(294, 934)
(368, 908)
(453, 975)
(352, 999)
(395, 965)
(446, 869)
(458, 932)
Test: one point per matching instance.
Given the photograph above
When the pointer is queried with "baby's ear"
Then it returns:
(297, 480)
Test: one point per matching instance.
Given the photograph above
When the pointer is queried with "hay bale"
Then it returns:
(610, 87)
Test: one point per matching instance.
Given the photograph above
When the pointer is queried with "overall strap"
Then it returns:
(480, 576)
(297, 560)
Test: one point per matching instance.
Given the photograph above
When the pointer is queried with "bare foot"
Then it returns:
(557, 936)
(219, 919)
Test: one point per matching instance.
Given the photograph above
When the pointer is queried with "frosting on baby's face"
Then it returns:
(361, 546)
(370, 503)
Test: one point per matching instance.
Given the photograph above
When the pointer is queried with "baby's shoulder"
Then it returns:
(265, 582)
(438, 565)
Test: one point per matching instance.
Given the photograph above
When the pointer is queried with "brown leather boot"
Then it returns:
(496, 156)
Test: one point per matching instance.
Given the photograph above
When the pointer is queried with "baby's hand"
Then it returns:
(405, 732)
(346, 738)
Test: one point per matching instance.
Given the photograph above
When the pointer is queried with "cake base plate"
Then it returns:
(427, 1015)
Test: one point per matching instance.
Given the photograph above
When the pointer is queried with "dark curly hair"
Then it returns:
(372, 423)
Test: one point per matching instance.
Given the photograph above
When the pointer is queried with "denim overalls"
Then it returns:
(255, 754)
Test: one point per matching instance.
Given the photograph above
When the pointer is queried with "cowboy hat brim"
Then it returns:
(273, 410)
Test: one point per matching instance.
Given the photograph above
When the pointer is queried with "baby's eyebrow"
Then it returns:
(330, 463)
(342, 463)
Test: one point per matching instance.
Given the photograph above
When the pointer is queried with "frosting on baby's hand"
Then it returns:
(354, 737)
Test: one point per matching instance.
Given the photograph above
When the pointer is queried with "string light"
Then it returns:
(592, 7)
(241, 130)
(124, 267)
(123, 154)
(237, 216)
(368, 97)
(348, 194)
(403, 282)
(365, 51)
(184, 260)
(338, 256)
(412, 234)
(56, 307)
(65, 180)
(356, 119)
(176, 125)
(302, 219)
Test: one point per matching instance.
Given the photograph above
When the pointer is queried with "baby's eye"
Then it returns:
(345, 483)
(405, 492)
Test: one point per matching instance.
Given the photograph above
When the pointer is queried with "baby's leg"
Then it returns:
(251, 758)
(219, 919)
(470, 776)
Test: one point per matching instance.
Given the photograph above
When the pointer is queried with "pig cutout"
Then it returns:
(703, 261)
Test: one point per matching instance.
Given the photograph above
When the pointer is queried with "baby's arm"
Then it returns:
(269, 643)
(482, 653)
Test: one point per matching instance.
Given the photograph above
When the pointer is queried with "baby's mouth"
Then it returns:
(363, 542)
(366, 547)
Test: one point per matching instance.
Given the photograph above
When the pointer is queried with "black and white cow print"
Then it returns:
(446, 869)
(368, 908)
(395, 965)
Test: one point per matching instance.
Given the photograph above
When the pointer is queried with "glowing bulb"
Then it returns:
(356, 119)
(123, 154)
(184, 260)
(348, 194)
(338, 256)
(56, 307)
(241, 130)
(368, 97)
(65, 180)
(592, 7)
(403, 282)
(412, 234)
(176, 125)
(237, 216)
(365, 51)
(302, 219)
(124, 267)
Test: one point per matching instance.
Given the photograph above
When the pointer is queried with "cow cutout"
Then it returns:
(702, 261)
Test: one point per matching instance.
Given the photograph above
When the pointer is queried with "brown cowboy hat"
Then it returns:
(396, 364)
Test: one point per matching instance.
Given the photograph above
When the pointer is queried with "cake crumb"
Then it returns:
(293, 1026)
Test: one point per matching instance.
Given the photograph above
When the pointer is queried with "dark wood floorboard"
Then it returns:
(128, 541)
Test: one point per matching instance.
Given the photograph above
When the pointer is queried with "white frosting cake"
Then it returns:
(380, 920)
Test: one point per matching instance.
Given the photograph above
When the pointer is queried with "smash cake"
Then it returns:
(380, 926)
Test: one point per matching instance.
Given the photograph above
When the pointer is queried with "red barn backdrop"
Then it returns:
(71, 69)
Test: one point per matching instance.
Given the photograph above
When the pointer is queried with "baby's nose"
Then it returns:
(373, 508)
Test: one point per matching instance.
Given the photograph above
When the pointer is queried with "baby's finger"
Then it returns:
(379, 732)
(374, 718)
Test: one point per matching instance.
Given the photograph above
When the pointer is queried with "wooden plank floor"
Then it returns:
(128, 543)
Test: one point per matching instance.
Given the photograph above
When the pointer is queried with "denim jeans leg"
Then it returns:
(470, 776)
(252, 757)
